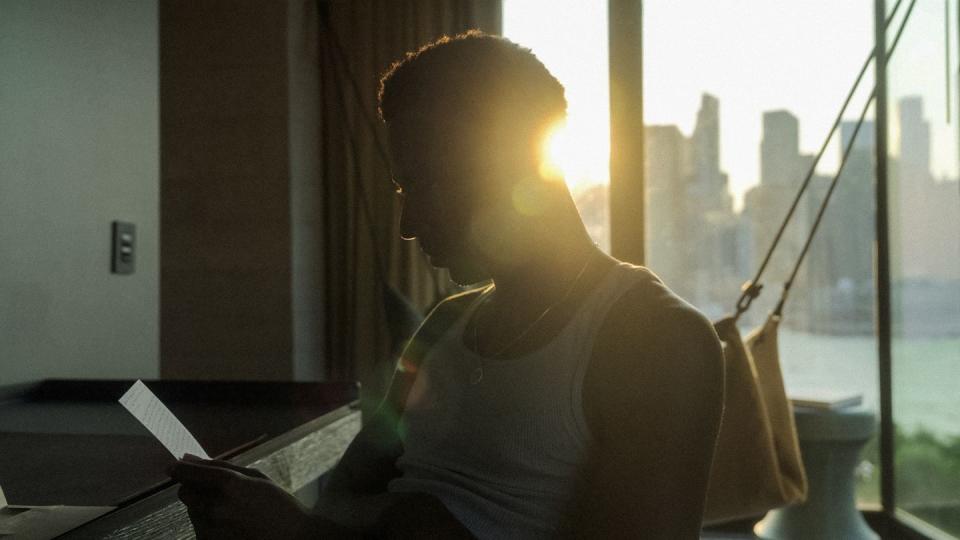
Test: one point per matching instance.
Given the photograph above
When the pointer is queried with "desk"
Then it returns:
(70, 442)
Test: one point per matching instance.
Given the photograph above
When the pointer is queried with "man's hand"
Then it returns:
(228, 501)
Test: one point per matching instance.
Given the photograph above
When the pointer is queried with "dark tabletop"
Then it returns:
(70, 442)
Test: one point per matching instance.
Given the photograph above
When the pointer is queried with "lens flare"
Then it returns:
(577, 152)
(530, 197)
(555, 160)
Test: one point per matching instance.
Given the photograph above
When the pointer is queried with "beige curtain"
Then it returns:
(361, 245)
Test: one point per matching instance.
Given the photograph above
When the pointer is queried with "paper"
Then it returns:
(156, 417)
(3, 499)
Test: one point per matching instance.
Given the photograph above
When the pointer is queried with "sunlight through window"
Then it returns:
(574, 48)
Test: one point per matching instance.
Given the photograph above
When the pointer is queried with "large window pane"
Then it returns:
(573, 46)
(925, 263)
(738, 97)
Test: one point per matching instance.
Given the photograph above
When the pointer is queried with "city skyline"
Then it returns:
(780, 139)
(705, 249)
(807, 73)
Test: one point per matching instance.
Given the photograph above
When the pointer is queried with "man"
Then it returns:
(576, 396)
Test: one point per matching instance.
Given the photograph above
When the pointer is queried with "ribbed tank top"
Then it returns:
(503, 455)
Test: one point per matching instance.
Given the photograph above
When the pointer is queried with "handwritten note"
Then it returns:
(157, 418)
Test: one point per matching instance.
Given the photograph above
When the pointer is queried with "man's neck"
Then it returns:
(547, 274)
(556, 248)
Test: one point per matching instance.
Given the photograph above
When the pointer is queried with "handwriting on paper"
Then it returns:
(157, 418)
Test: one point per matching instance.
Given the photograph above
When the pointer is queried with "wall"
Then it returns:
(305, 194)
(78, 149)
(226, 273)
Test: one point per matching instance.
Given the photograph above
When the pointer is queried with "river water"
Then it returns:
(926, 375)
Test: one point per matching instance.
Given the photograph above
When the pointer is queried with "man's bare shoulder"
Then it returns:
(650, 312)
(652, 399)
(648, 298)
(652, 346)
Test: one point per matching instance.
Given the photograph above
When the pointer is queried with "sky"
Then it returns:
(572, 43)
(753, 55)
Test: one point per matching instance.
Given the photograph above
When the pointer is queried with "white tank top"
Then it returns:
(503, 455)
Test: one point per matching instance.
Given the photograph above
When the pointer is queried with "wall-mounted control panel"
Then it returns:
(124, 247)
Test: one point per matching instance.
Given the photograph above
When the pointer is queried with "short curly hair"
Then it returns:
(487, 81)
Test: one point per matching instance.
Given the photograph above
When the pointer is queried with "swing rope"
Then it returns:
(836, 177)
(751, 289)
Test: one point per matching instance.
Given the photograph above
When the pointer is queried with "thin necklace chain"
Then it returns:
(477, 374)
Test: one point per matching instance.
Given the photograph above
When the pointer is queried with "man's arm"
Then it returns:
(355, 494)
(653, 397)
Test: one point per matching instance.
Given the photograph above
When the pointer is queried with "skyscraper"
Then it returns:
(779, 149)
(911, 184)
(667, 172)
(766, 204)
(914, 141)
(693, 231)
(922, 209)
(707, 177)
(866, 137)
(852, 206)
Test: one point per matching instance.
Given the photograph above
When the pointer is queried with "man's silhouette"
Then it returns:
(575, 396)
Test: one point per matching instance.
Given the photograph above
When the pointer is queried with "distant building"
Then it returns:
(668, 170)
(918, 209)
(705, 251)
(852, 209)
(914, 137)
(779, 149)
(924, 240)
(593, 203)
(693, 233)
(942, 239)
(766, 204)
(866, 135)
(707, 177)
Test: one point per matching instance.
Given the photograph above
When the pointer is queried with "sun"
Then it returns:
(572, 151)
(579, 152)
(555, 163)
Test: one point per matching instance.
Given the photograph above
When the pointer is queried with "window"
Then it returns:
(924, 217)
(738, 98)
(573, 46)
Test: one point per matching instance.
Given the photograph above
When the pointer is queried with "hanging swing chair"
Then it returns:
(757, 464)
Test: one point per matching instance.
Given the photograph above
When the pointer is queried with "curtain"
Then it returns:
(362, 250)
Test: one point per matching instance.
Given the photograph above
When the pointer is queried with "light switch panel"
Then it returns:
(124, 247)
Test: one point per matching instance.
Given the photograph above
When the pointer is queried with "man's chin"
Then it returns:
(461, 273)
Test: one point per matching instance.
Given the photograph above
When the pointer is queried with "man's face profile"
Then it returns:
(436, 195)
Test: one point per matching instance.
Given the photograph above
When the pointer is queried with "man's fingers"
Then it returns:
(195, 500)
(246, 471)
(206, 511)
(208, 477)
